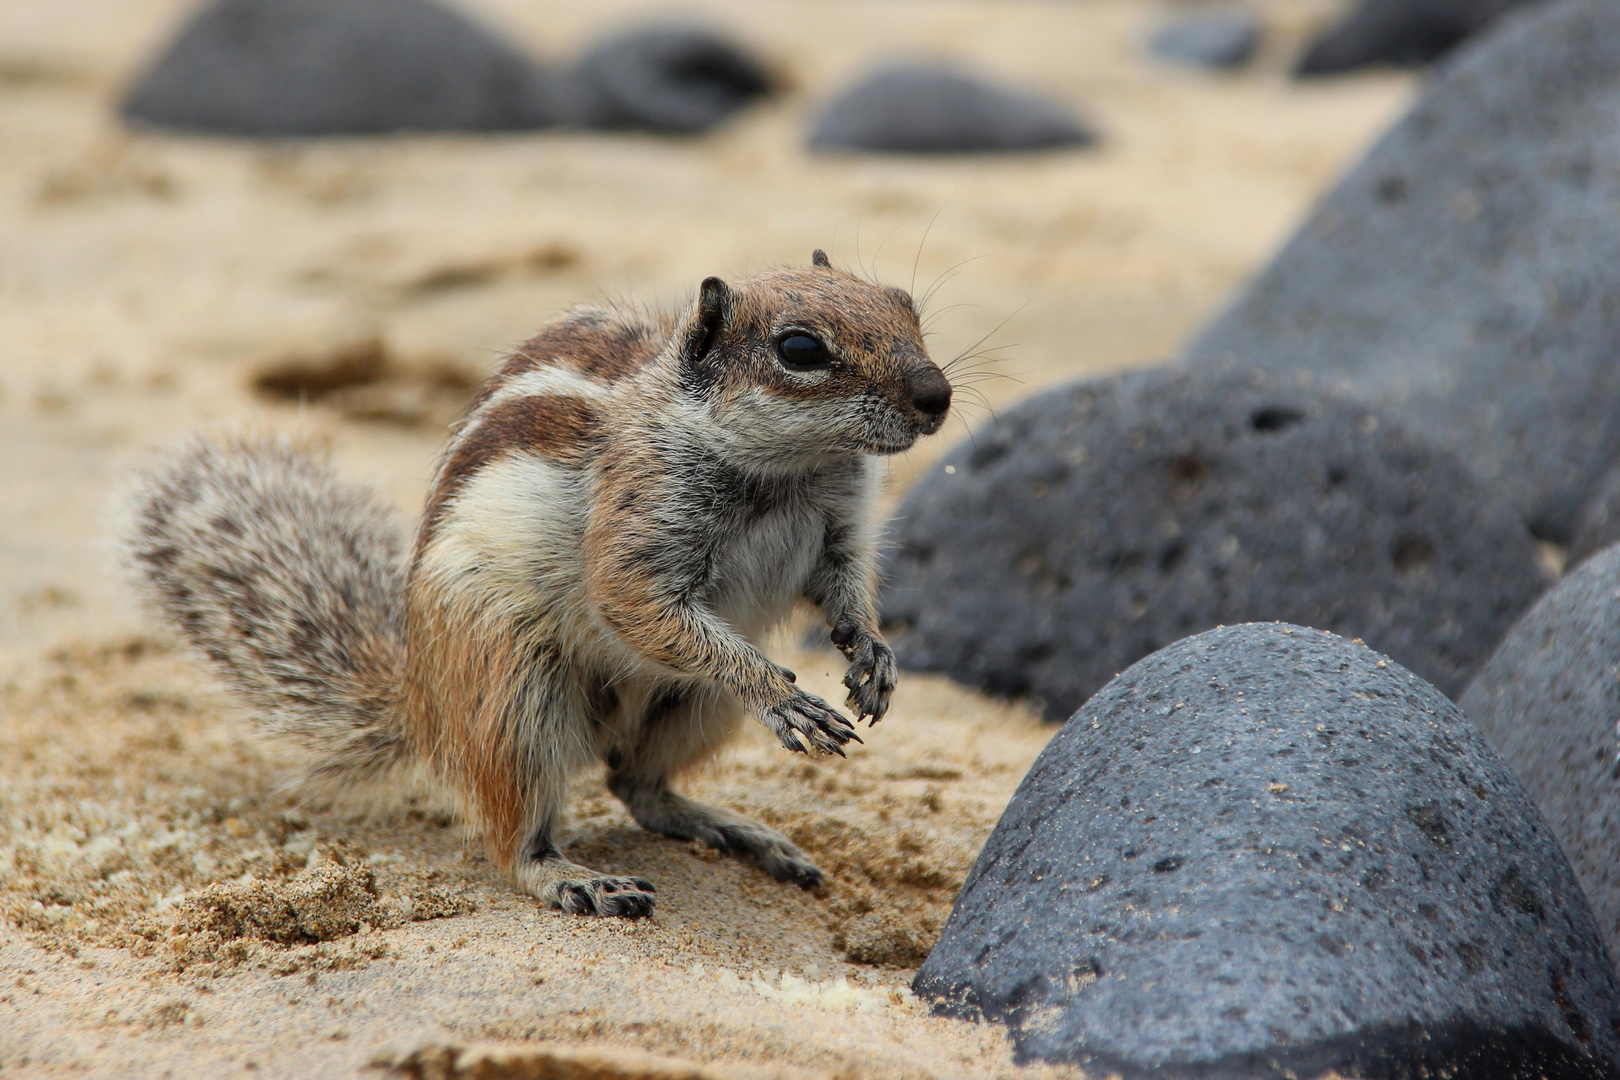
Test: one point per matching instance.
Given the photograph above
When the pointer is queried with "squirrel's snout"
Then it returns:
(930, 394)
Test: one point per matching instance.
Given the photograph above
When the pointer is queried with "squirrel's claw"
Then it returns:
(805, 717)
(871, 677)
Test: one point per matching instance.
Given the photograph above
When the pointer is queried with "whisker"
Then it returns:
(976, 346)
(969, 433)
(952, 307)
(912, 288)
(879, 251)
(933, 316)
(986, 377)
(977, 397)
(982, 375)
(974, 362)
(986, 355)
(860, 219)
(948, 275)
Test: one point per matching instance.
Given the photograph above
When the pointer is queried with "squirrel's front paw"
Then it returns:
(872, 672)
(805, 717)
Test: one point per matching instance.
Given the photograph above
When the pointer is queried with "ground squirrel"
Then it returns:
(625, 509)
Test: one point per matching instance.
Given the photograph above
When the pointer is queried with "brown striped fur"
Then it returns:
(561, 427)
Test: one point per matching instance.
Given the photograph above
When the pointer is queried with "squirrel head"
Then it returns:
(797, 364)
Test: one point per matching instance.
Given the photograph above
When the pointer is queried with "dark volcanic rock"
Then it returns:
(1463, 276)
(1599, 523)
(1549, 700)
(1100, 521)
(1399, 32)
(1207, 41)
(1266, 851)
(671, 78)
(929, 108)
(333, 67)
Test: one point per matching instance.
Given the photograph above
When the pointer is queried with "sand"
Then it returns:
(169, 905)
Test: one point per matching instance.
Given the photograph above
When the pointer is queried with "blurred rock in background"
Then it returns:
(1400, 32)
(933, 107)
(338, 67)
(1219, 41)
(1548, 700)
(677, 79)
(1599, 523)
(361, 67)
(1461, 279)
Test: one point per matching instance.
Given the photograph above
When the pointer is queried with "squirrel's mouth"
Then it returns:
(885, 447)
(895, 428)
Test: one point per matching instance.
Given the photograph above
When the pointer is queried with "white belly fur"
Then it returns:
(514, 535)
(761, 574)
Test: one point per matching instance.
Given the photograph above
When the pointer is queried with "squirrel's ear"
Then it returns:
(819, 258)
(713, 305)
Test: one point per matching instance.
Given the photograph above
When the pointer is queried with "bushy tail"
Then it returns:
(289, 580)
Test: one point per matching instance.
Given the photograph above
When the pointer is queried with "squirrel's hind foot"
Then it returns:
(658, 809)
(785, 862)
(776, 854)
(579, 890)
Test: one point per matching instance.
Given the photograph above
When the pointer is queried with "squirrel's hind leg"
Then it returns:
(520, 808)
(679, 729)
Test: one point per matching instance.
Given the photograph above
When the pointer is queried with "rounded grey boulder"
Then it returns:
(1599, 523)
(931, 108)
(1461, 277)
(338, 67)
(1549, 701)
(677, 79)
(1399, 32)
(1268, 852)
(1100, 521)
(1218, 42)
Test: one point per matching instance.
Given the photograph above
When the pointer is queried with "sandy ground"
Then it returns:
(167, 905)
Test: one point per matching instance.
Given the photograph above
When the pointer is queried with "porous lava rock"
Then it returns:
(1598, 526)
(338, 67)
(1402, 33)
(1462, 277)
(1100, 521)
(677, 79)
(1549, 701)
(921, 107)
(1217, 41)
(1269, 852)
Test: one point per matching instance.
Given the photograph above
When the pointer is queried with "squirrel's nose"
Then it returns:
(931, 394)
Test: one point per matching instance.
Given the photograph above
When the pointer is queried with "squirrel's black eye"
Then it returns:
(801, 352)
